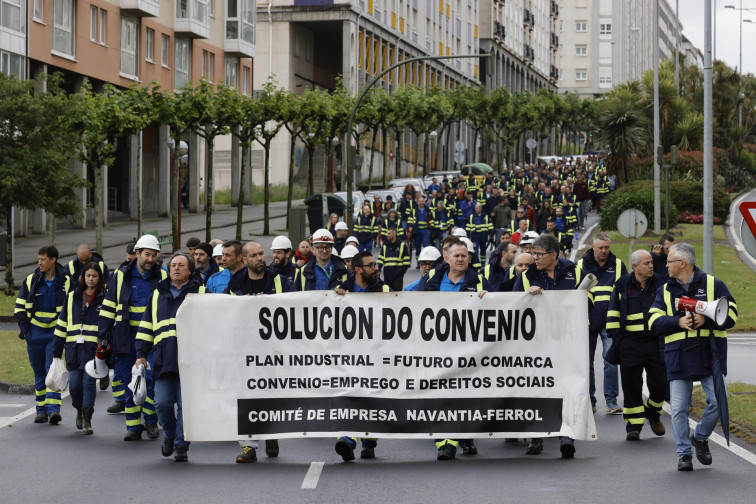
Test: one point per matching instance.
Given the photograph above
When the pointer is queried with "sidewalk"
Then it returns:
(117, 235)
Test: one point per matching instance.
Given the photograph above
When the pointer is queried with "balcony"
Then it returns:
(192, 18)
(554, 40)
(529, 54)
(554, 9)
(142, 8)
(241, 19)
(554, 73)
(499, 31)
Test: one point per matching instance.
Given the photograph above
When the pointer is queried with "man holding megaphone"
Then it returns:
(695, 346)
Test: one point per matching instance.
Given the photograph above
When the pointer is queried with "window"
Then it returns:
(165, 43)
(39, 10)
(103, 27)
(182, 63)
(245, 80)
(605, 81)
(10, 15)
(211, 68)
(129, 45)
(241, 13)
(63, 27)
(232, 73)
(581, 75)
(201, 11)
(11, 64)
(205, 58)
(605, 29)
(93, 23)
(581, 26)
(149, 45)
(581, 50)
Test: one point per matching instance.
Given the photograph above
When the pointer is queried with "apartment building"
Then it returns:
(125, 43)
(522, 34)
(609, 42)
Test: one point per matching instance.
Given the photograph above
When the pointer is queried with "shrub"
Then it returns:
(619, 201)
(693, 218)
(686, 196)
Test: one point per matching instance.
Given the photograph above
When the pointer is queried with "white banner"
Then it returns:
(399, 365)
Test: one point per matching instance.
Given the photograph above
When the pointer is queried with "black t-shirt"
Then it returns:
(250, 286)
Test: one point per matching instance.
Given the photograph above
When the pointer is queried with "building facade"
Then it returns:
(609, 42)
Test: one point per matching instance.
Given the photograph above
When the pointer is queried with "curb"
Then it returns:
(15, 389)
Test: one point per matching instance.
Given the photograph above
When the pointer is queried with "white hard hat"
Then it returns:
(460, 232)
(528, 237)
(218, 250)
(138, 384)
(469, 243)
(429, 254)
(342, 226)
(147, 241)
(349, 251)
(98, 368)
(352, 239)
(322, 236)
(280, 243)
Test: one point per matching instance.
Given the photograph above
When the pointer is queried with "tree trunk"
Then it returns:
(175, 186)
(416, 163)
(52, 231)
(98, 207)
(209, 190)
(328, 167)
(139, 183)
(242, 187)
(10, 288)
(289, 193)
(266, 189)
(384, 139)
(310, 172)
(373, 135)
(426, 154)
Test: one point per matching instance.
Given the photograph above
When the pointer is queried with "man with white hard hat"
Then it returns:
(526, 242)
(342, 230)
(347, 253)
(128, 294)
(459, 232)
(218, 255)
(474, 257)
(324, 270)
(282, 257)
(232, 260)
(428, 257)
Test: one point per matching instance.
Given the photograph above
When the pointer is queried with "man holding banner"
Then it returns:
(549, 272)
(365, 279)
(456, 276)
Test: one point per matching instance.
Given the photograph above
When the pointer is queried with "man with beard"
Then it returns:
(205, 265)
(394, 260)
(282, 261)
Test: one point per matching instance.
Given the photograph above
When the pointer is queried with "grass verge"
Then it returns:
(728, 267)
(741, 398)
(7, 305)
(14, 361)
(278, 192)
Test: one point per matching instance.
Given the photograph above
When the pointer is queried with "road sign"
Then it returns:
(748, 226)
(632, 223)
(459, 146)
(459, 158)
(531, 143)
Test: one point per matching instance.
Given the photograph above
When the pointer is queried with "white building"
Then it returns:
(604, 43)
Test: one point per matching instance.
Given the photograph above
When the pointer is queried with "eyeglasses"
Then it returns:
(538, 255)
(674, 261)
(323, 247)
(369, 265)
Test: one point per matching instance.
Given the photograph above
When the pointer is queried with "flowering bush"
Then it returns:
(694, 218)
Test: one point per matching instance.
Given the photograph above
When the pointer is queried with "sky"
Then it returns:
(727, 44)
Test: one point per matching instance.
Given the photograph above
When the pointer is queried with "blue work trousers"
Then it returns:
(611, 375)
(422, 240)
(134, 413)
(83, 389)
(40, 350)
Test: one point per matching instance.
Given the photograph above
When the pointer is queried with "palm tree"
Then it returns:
(622, 128)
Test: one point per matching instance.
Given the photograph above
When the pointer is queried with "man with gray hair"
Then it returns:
(635, 348)
(691, 343)
(600, 261)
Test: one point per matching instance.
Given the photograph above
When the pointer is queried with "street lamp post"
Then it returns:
(740, 56)
(433, 136)
(348, 155)
(657, 126)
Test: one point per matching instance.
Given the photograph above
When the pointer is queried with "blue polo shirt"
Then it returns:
(413, 286)
(323, 275)
(219, 281)
(449, 286)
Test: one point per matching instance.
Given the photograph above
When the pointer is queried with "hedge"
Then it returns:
(686, 196)
(619, 201)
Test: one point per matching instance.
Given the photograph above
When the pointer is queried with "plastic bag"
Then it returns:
(57, 376)
(138, 385)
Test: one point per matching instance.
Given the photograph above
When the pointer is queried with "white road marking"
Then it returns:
(720, 440)
(12, 405)
(313, 475)
(6, 421)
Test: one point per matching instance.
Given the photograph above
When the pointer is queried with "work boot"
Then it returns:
(567, 447)
(86, 424)
(167, 447)
(702, 450)
(41, 418)
(468, 448)
(78, 418)
(152, 430)
(685, 463)
(633, 435)
(116, 407)
(248, 455)
(535, 447)
(105, 382)
(133, 435)
(657, 427)
(446, 452)
(181, 454)
(55, 418)
(368, 452)
(271, 448)
(345, 449)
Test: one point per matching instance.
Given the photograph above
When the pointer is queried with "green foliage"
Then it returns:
(747, 161)
(686, 196)
(619, 201)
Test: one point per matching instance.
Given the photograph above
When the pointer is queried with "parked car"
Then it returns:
(450, 174)
(358, 198)
(418, 189)
(406, 181)
(395, 194)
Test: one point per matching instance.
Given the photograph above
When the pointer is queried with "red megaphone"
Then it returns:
(716, 310)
